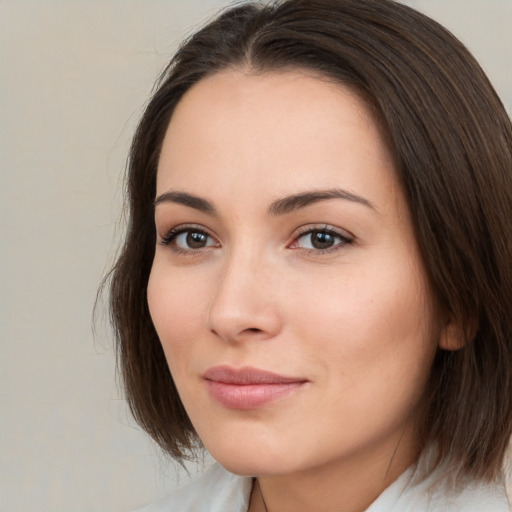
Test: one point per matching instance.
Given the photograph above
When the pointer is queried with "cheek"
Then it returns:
(370, 329)
(374, 356)
(356, 307)
(177, 308)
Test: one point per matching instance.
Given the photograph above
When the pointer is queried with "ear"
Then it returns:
(454, 335)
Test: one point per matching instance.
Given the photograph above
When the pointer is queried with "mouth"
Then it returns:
(248, 388)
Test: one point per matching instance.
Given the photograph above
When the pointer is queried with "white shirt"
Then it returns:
(217, 490)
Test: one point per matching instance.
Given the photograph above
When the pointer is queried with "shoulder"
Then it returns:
(405, 496)
(476, 497)
(214, 490)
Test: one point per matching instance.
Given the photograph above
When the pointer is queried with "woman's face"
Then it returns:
(287, 289)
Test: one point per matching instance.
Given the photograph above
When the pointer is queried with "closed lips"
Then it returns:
(247, 376)
(248, 388)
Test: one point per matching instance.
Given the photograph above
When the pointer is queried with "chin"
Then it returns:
(243, 464)
(249, 459)
(253, 458)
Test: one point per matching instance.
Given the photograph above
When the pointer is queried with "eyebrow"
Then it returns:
(297, 201)
(279, 207)
(185, 199)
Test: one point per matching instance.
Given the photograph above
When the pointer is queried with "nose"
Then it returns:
(244, 304)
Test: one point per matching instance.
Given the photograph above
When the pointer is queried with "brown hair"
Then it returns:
(451, 139)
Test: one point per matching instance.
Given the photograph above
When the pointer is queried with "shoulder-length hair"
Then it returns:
(451, 139)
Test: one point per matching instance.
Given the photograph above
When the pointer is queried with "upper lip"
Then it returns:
(246, 376)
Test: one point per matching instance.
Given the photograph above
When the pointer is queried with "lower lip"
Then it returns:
(249, 396)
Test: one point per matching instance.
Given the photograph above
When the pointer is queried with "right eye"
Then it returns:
(188, 239)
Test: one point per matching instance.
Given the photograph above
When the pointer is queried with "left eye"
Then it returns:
(193, 240)
(321, 239)
(189, 239)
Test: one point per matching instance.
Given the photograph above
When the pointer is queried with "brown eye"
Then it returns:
(321, 240)
(195, 240)
(189, 239)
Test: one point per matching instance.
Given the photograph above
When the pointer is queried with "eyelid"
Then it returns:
(346, 237)
(171, 234)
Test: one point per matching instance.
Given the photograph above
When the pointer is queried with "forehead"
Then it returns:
(271, 132)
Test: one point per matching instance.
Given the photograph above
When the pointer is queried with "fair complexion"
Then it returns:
(287, 288)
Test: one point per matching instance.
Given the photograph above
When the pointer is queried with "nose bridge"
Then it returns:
(243, 303)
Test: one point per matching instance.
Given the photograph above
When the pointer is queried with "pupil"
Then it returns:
(196, 240)
(321, 240)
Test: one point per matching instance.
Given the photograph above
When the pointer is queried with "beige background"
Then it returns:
(74, 76)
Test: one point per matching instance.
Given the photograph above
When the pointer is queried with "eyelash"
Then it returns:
(172, 235)
(345, 238)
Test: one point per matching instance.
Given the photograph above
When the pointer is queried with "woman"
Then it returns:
(316, 282)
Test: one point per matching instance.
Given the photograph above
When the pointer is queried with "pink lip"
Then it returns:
(248, 388)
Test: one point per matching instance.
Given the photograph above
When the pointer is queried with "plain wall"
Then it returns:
(74, 76)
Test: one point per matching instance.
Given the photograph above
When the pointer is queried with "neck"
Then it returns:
(350, 485)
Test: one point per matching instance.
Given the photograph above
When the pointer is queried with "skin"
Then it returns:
(354, 321)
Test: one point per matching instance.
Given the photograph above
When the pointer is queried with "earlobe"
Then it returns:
(454, 336)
